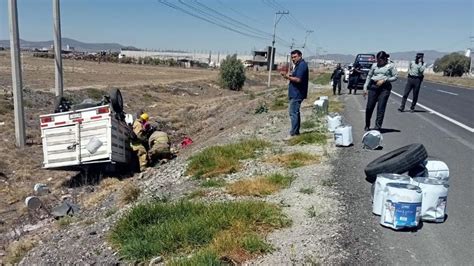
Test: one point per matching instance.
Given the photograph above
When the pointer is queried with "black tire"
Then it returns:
(116, 100)
(398, 161)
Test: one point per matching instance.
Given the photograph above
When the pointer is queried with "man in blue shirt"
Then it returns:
(297, 89)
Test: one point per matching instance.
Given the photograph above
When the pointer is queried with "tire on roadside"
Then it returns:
(116, 100)
(398, 161)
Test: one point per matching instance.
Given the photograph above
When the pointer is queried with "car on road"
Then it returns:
(365, 61)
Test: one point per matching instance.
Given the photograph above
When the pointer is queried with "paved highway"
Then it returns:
(445, 129)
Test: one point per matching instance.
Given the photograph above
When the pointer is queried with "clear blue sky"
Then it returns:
(340, 26)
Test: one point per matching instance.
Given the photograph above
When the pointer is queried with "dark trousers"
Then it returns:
(412, 84)
(295, 117)
(353, 84)
(377, 96)
(336, 82)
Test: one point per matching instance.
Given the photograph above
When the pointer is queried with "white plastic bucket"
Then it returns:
(401, 206)
(334, 120)
(379, 187)
(343, 136)
(372, 139)
(41, 189)
(93, 145)
(324, 98)
(435, 198)
(321, 106)
(33, 203)
(437, 169)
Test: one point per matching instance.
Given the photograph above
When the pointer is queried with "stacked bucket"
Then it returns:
(403, 201)
(342, 132)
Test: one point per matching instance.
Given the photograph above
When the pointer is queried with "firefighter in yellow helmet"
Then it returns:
(140, 127)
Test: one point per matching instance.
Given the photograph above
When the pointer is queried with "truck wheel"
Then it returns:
(117, 100)
(398, 161)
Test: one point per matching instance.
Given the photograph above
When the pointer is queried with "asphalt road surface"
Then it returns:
(445, 129)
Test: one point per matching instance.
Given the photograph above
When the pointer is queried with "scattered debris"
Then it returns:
(66, 208)
(186, 142)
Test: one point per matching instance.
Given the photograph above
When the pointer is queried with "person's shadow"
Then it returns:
(388, 130)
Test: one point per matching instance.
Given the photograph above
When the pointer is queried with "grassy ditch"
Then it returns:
(322, 78)
(295, 159)
(308, 138)
(217, 160)
(207, 232)
(261, 186)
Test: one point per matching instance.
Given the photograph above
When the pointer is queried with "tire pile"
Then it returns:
(408, 188)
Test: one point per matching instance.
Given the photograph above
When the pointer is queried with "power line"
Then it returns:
(164, 2)
(226, 19)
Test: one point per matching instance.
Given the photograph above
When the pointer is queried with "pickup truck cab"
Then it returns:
(365, 61)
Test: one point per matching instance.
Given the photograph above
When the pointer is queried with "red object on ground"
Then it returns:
(186, 142)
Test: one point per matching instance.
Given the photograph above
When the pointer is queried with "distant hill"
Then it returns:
(78, 46)
(430, 56)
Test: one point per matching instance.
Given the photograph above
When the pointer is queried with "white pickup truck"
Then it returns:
(91, 135)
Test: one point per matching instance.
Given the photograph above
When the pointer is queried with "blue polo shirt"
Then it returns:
(299, 91)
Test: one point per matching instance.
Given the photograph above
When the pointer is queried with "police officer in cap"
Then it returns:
(415, 77)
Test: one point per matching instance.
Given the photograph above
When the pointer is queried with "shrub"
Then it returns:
(452, 65)
(232, 73)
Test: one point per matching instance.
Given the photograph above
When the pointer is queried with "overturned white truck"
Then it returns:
(89, 133)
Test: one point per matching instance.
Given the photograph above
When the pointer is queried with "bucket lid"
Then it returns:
(404, 186)
(393, 176)
(372, 139)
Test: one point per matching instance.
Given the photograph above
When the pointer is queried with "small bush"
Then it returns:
(212, 230)
(329, 182)
(309, 138)
(232, 73)
(18, 249)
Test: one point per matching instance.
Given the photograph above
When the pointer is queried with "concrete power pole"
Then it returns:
(308, 32)
(471, 61)
(16, 75)
(277, 19)
(57, 49)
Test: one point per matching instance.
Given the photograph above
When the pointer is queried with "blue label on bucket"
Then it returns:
(402, 214)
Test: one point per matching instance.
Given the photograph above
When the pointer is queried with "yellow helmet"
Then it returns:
(144, 116)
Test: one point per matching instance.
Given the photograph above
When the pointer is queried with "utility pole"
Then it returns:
(287, 55)
(57, 49)
(16, 75)
(472, 50)
(278, 16)
(308, 32)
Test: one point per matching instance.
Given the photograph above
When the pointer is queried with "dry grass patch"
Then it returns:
(335, 106)
(295, 160)
(260, 186)
(309, 138)
(18, 249)
(129, 193)
(225, 159)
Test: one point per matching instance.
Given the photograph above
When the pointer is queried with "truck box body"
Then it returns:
(86, 136)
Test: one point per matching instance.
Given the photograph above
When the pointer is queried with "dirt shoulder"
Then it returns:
(186, 105)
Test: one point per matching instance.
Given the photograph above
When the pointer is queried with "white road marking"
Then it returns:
(455, 94)
(470, 129)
